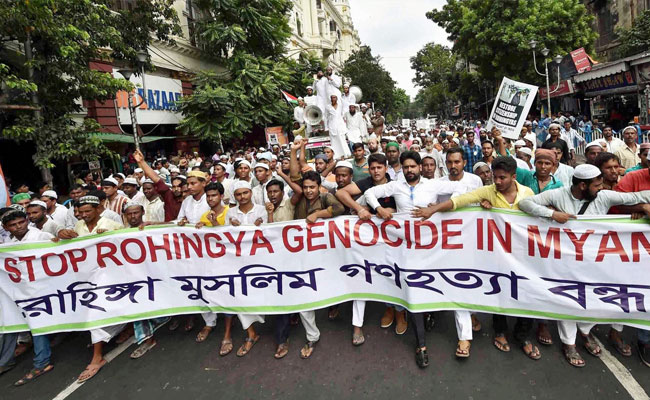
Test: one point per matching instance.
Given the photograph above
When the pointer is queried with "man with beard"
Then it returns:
(337, 128)
(37, 214)
(347, 98)
(487, 148)
(554, 133)
(456, 163)
(483, 171)
(413, 191)
(356, 126)
(613, 143)
(610, 165)
(377, 122)
(431, 150)
(628, 153)
(592, 150)
(172, 198)
(373, 145)
(585, 196)
(393, 157)
(644, 149)
(542, 179)
(504, 193)
(310, 99)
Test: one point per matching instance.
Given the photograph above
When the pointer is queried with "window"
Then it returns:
(332, 26)
(298, 25)
(318, 4)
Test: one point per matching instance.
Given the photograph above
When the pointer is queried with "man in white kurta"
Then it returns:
(334, 84)
(299, 111)
(356, 126)
(321, 85)
(337, 129)
(310, 98)
(347, 98)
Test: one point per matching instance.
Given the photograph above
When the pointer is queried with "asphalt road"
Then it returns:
(382, 368)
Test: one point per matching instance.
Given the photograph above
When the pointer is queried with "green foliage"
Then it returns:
(366, 71)
(401, 102)
(637, 38)
(248, 38)
(494, 34)
(302, 72)
(66, 35)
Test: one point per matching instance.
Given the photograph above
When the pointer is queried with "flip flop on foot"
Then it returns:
(358, 339)
(307, 350)
(543, 335)
(572, 356)
(247, 346)
(33, 374)
(21, 348)
(501, 343)
(619, 344)
(462, 349)
(590, 344)
(282, 350)
(530, 350)
(174, 324)
(226, 347)
(143, 348)
(203, 334)
(189, 325)
(90, 371)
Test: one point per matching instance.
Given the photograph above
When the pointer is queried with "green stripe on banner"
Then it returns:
(44, 245)
(317, 305)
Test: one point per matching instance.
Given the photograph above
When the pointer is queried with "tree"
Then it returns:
(494, 35)
(366, 71)
(248, 39)
(43, 90)
(401, 102)
(637, 38)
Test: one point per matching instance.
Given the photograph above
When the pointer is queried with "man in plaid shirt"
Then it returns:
(473, 153)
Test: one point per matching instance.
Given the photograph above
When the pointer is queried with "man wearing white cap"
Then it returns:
(194, 205)
(524, 155)
(592, 150)
(554, 131)
(114, 201)
(628, 154)
(337, 128)
(57, 211)
(37, 213)
(347, 98)
(263, 175)
(242, 173)
(310, 99)
(584, 196)
(130, 189)
(299, 111)
(357, 129)
(154, 207)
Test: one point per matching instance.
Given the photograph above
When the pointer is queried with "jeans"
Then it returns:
(7, 348)
(42, 351)
(395, 306)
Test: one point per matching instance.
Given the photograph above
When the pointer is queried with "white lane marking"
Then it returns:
(110, 356)
(622, 374)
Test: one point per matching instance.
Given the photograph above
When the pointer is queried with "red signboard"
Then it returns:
(565, 87)
(581, 60)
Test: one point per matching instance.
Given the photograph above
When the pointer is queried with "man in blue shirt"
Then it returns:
(473, 152)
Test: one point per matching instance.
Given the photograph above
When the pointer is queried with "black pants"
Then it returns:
(523, 326)
(418, 321)
(282, 328)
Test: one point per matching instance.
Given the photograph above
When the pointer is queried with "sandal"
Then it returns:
(174, 324)
(283, 350)
(462, 349)
(543, 335)
(476, 324)
(619, 344)
(534, 353)
(590, 344)
(21, 348)
(203, 334)
(226, 347)
(501, 345)
(143, 348)
(307, 350)
(573, 357)
(421, 357)
(33, 374)
(90, 371)
(358, 339)
(333, 313)
(243, 350)
(189, 324)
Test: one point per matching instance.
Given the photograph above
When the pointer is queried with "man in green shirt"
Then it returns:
(542, 179)
(360, 164)
(644, 149)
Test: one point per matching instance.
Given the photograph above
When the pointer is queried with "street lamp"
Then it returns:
(558, 60)
(127, 73)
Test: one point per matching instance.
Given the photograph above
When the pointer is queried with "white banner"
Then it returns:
(491, 261)
(511, 107)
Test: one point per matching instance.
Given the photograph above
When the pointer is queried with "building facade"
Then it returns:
(325, 28)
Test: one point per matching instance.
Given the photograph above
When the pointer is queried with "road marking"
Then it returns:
(621, 373)
(110, 356)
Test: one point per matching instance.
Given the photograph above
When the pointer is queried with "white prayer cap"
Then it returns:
(174, 168)
(520, 142)
(329, 147)
(479, 165)
(309, 87)
(239, 159)
(110, 181)
(150, 181)
(120, 175)
(528, 123)
(372, 136)
(223, 165)
(138, 170)
(89, 200)
(240, 185)
(274, 157)
(264, 156)
(594, 143)
(300, 98)
(262, 149)
(526, 150)
(130, 204)
(427, 155)
(531, 138)
(586, 171)
(37, 203)
(183, 177)
(130, 181)
(445, 141)
(629, 127)
(221, 157)
(52, 193)
(244, 162)
(478, 122)
(346, 85)
(343, 163)
(456, 140)
(554, 125)
(262, 165)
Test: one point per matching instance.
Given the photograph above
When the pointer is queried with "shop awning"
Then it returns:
(117, 138)
(600, 70)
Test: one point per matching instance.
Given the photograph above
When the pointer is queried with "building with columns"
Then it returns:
(323, 27)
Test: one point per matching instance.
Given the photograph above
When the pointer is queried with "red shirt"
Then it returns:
(172, 206)
(634, 181)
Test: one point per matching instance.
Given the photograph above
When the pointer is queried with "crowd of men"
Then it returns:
(409, 171)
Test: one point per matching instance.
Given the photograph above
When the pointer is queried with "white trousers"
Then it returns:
(358, 310)
(249, 319)
(569, 329)
(210, 319)
(340, 146)
(308, 319)
(463, 324)
(106, 333)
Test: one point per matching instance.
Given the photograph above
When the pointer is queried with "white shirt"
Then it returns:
(49, 226)
(407, 197)
(440, 161)
(468, 181)
(299, 114)
(192, 209)
(310, 100)
(139, 197)
(357, 129)
(227, 185)
(259, 194)
(59, 214)
(396, 175)
(564, 174)
(33, 235)
(615, 145)
(154, 210)
(103, 223)
(70, 219)
(348, 99)
(248, 218)
(562, 199)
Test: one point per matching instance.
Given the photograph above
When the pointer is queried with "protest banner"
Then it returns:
(499, 261)
(511, 107)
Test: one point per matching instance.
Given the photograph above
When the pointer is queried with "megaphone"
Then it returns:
(356, 91)
(313, 114)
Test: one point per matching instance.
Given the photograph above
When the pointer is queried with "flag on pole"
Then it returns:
(292, 100)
